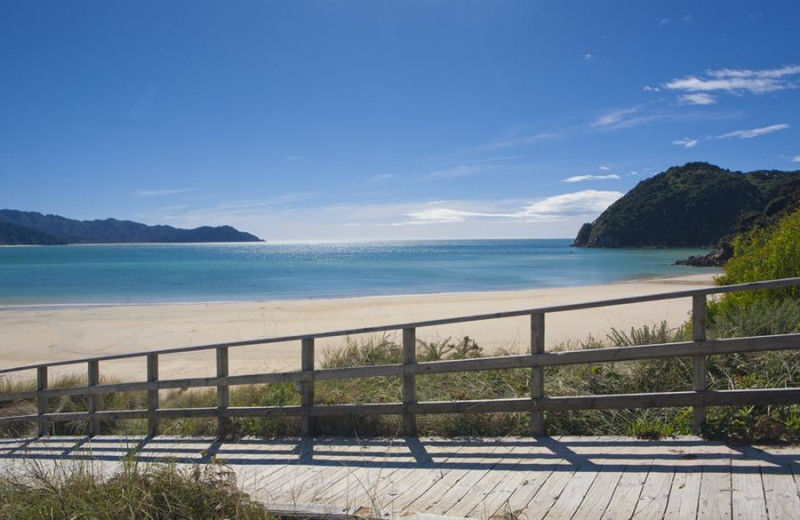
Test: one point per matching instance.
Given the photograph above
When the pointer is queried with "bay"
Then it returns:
(171, 273)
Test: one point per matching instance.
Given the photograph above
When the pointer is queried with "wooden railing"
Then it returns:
(409, 369)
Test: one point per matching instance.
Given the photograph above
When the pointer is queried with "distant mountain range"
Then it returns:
(32, 228)
(694, 205)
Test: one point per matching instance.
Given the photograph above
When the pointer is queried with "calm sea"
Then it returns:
(223, 272)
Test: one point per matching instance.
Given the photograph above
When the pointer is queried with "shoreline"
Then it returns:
(36, 334)
(332, 299)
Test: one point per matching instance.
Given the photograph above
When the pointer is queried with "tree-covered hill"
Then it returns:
(694, 205)
(27, 227)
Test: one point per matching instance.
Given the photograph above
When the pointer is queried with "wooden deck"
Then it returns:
(553, 478)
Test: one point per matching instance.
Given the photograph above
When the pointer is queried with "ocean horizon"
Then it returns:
(191, 273)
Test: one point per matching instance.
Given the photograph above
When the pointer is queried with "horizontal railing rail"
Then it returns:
(698, 349)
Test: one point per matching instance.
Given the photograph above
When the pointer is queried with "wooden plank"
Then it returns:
(685, 493)
(329, 485)
(537, 374)
(93, 379)
(747, 488)
(699, 361)
(573, 493)
(223, 392)
(528, 466)
(471, 480)
(41, 402)
(409, 381)
(152, 395)
(406, 487)
(307, 387)
(626, 495)
(715, 492)
(609, 473)
(780, 492)
(652, 502)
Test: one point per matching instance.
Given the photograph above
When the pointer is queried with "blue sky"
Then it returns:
(384, 120)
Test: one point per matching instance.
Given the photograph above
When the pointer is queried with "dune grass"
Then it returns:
(136, 491)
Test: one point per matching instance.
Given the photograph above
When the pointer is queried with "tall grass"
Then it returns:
(158, 492)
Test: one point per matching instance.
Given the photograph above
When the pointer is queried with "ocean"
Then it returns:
(172, 273)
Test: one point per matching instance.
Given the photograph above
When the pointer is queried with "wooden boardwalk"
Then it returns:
(554, 478)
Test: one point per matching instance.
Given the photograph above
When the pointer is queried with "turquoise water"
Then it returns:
(222, 272)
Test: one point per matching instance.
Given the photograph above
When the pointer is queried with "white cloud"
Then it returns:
(587, 56)
(461, 170)
(648, 88)
(587, 203)
(581, 203)
(581, 178)
(161, 193)
(616, 118)
(737, 81)
(513, 139)
(293, 158)
(796, 158)
(381, 177)
(604, 168)
(698, 98)
(755, 132)
(788, 70)
(685, 142)
(663, 22)
(633, 172)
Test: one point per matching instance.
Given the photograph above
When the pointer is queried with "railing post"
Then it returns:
(223, 392)
(41, 400)
(307, 386)
(699, 361)
(152, 395)
(93, 378)
(537, 374)
(409, 381)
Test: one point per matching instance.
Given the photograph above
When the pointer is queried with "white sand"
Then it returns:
(35, 335)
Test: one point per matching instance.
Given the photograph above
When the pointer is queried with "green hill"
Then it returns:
(694, 205)
(28, 227)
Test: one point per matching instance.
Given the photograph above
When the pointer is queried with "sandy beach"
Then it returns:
(36, 334)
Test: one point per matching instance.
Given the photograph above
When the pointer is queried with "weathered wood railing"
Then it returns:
(409, 408)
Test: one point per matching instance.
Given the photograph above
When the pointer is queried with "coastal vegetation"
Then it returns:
(694, 205)
(32, 228)
(152, 491)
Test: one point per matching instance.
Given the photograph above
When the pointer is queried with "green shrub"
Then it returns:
(763, 254)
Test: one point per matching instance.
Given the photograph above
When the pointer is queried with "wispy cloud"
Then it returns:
(161, 193)
(698, 98)
(796, 158)
(516, 137)
(587, 203)
(382, 177)
(663, 22)
(587, 57)
(755, 132)
(685, 142)
(604, 168)
(738, 81)
(581, 178)
(461, 170)
(293, 158)
(617, 118)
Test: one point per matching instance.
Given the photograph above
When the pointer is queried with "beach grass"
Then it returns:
(161, 491)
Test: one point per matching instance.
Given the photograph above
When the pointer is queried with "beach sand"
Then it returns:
(42, 334)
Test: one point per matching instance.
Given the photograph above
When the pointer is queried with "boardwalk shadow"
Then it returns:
(574, 454)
